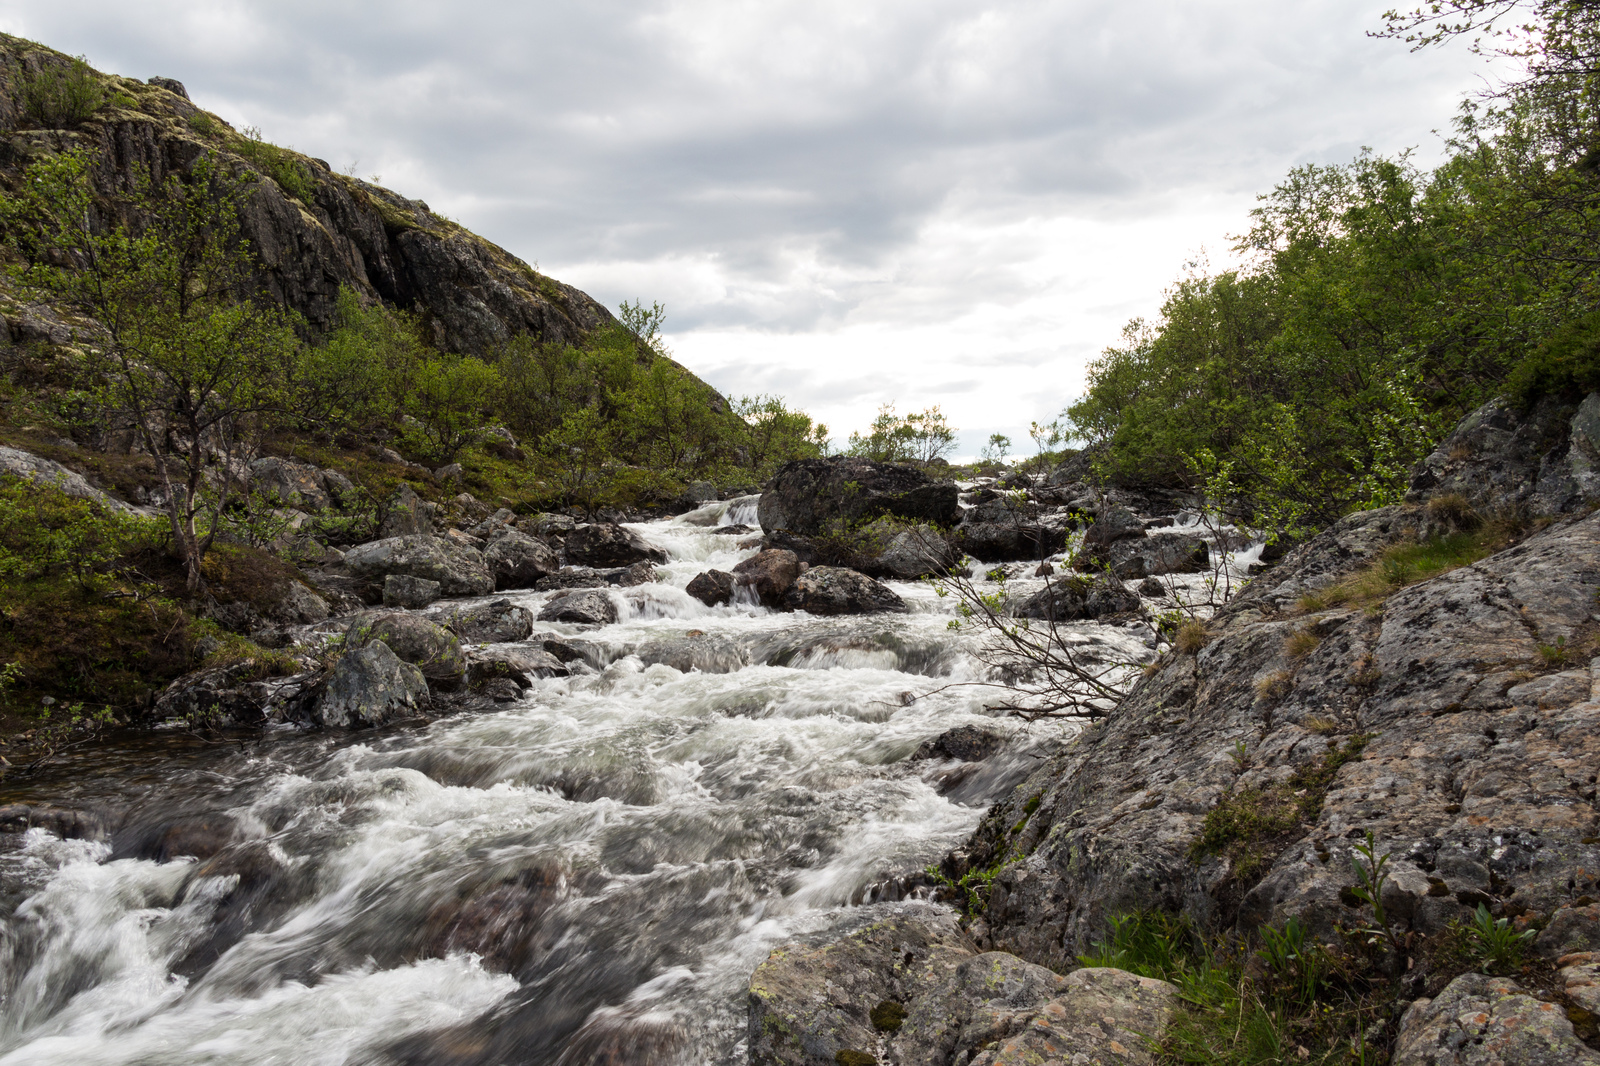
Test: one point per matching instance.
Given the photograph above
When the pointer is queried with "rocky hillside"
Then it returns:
(313, 229)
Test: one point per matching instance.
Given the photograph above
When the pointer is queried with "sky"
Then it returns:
(847, 204)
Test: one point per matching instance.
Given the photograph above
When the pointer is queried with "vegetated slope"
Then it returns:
(313, 230)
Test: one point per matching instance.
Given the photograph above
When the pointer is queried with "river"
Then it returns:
(586, 875)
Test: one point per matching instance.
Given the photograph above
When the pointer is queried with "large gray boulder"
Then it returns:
(410, 593)
(1080, 599)
(582, 608)
(371, 686)
(407, 515)
(1450, 726)
(518, 560)
(1488, 1021)
(495, 622)
(18, 463)
(1136, 558)
(426, 645)
(460, 571)
(833, 590)
(910, 988)
(605, 544)
(769, 575)
(994, 542)
(709, 653)
(1546, 460)
(809, 496)
(908, 554)
(522, 665)
(290, 484)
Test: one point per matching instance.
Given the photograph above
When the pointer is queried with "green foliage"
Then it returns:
(887, 1016)
(1494, 943)
(995, 449)
(61, 95)
(203, 124)
(1566, 365)
(450, 398)
(280, 164)
(45, 532)
(777, 434)
(920, 437)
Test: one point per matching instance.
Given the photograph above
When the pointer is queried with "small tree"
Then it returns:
(448, 397)
(996, 449)
(63, 94)
(1046, 438)
(775, 434)
(187, 354)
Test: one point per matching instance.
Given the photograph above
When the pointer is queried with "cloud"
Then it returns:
(844, 202)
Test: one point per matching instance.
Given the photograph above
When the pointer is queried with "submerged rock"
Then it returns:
(710, 653)
(965, 742)
(519, 664)
(832, 590)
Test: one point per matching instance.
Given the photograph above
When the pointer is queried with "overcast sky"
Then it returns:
(847, 203)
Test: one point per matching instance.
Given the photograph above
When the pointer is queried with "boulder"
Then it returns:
(712, 588)
(522, 665)
(994, 542)
(407, 515)
(1488, 1021)
(1136, 558)
(1570, 930)
(235, 694)
(965, 742)
(910, 988)
(491, 525)
(290, 484)
(426, 645)
(545, 524)
(460, 571)
(341, 490)
(768, 574)
(518, 560)
(808, 496)
(1446, 732)
(1113, 523)
(1080, 599)
(1545, 461)
(707, 652)
(583, 608)
(913, 553)
(411, 593)
(832, 590)
(605, 544)
(495, 622)
(371, 686)
(18, 463)
(700, 492)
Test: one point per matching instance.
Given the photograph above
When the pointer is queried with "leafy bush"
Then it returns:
(1566, 365)
(62, 94)
(45, 532)
(279, 164)
(920, 437)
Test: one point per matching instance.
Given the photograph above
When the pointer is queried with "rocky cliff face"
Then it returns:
(332, 230)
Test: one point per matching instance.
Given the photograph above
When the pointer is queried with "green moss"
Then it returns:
(888, 1016)
(851, 1057)
(1250, 825)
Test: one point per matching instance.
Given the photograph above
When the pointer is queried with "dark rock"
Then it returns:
(495, 622)
(1077, 599)
(371, 686)
(413, 593)
(1488, 1021)
(290, 484)
(426, 645)
(769, 575)
(235, 694)
(994, 542)
(1133, 559)
(832, 590)
(966, 742)
(631, 576)
(1112, 524)
(1152, 588)
(1570, 930)
(518, 560)
(584, 608)
(1498, 459)
(521, 665)
(806, 496)
(172, 85)
(460, 571)
(64, 822)
(575, 577)
(707, 652)
(408, 515)
(712, 588)
(608, 545)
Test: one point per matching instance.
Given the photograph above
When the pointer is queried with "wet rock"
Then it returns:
(768, 574)
(460, 571)
(1488, 1021)
(495, 622)
(584, 608)
(1546, 461)
(1152, 588)
(712, 588)
(914, 553)
(236, 694)
(518, 560)
(1112, 524)
(833, 590)
(522, 665)
(707, 652)
(1077, 599)
(993, 542)
(497, 922)
(290, 484)
(412, 593)
(371, 686)
(426, 645)
(968, 743)
(631, 576)
(1570, 930)
(603, 544)
(64, 822)
(808, 495)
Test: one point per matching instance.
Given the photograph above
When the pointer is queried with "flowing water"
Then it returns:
(587, 875)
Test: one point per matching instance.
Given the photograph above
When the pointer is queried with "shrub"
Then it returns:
(45, 532)
(62, 95)
(1566, 365)
(279, 164)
